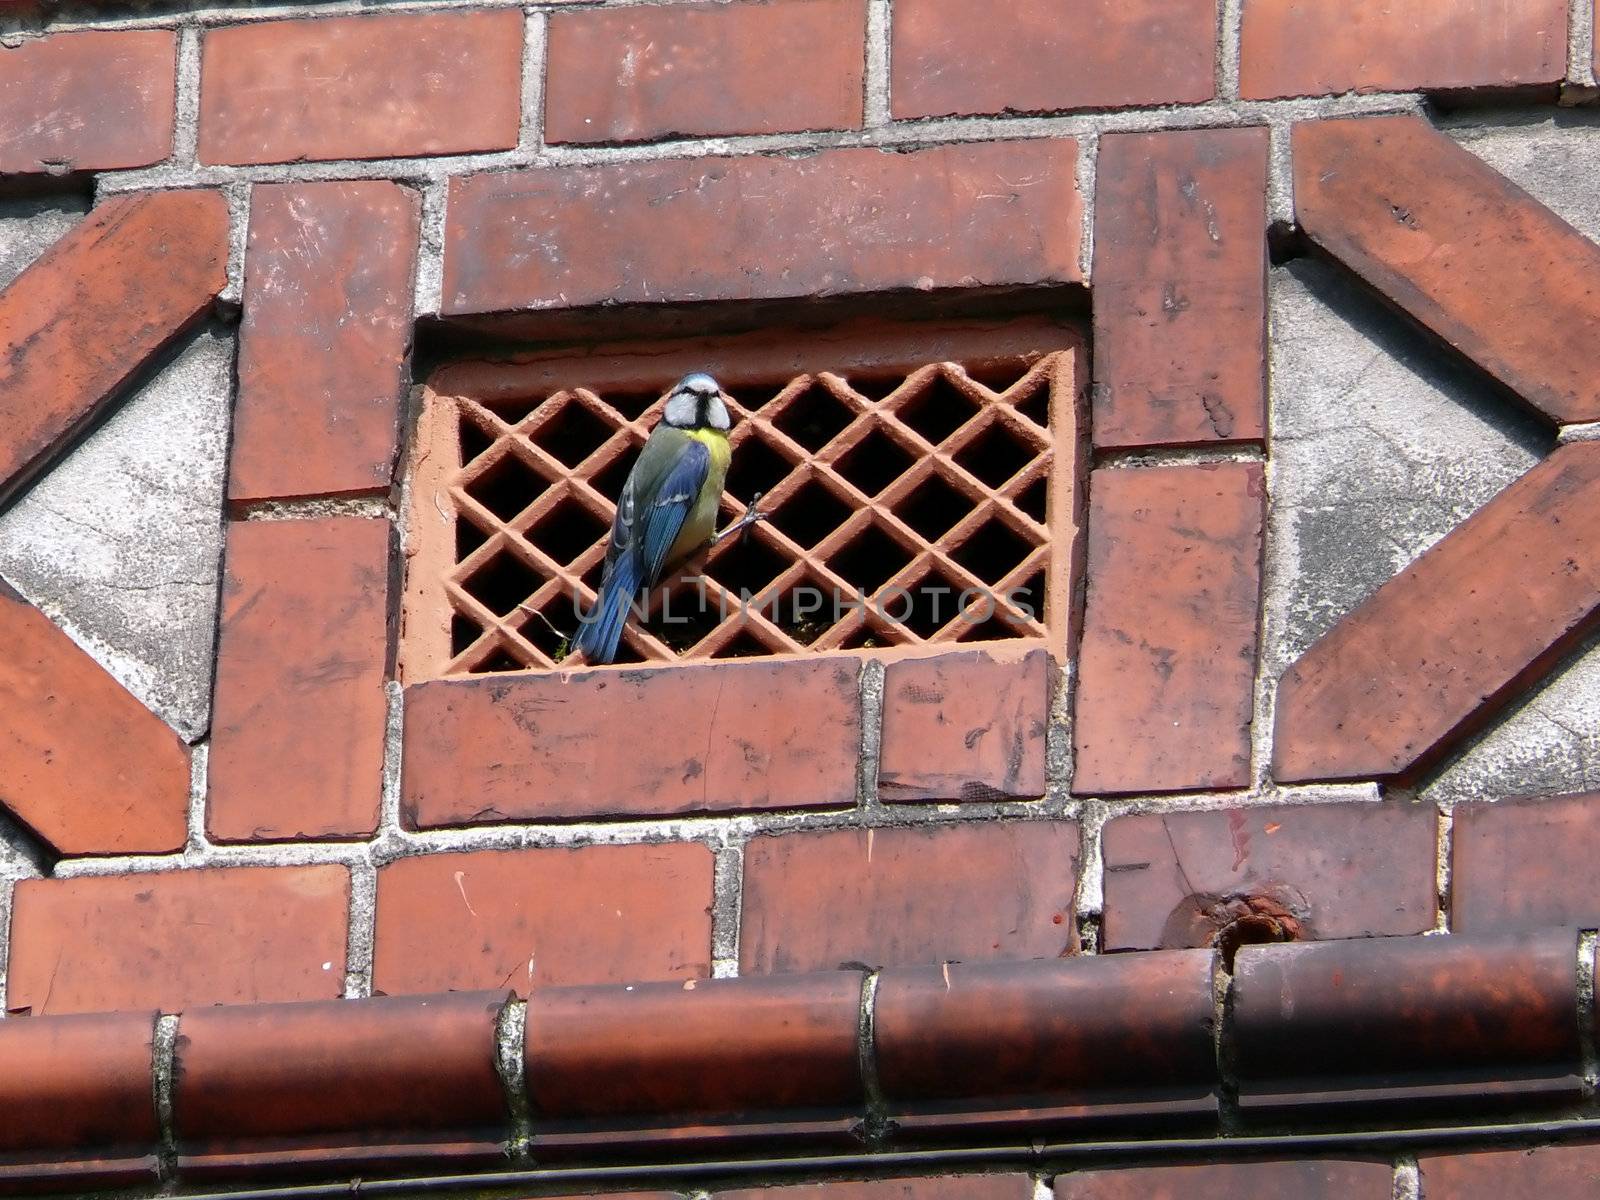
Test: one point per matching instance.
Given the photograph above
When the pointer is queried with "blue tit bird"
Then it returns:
(667, 511)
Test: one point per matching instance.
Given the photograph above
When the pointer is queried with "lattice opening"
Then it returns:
(908, 501)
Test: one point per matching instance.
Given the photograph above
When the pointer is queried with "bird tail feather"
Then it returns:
(602, 628)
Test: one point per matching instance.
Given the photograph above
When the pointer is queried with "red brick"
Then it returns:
(635, 74)
(326, 336)
(968, 726)
(909, 896)
(1318, 47)
(1390, 196)
(1310, 1179)
(92, 101)
(1539, 1173)
(1525, 864)
(1180, 279)
(1446, 643)
(840, 221)
(543, 746)
(82, 763)
(80, 1083)
(953, 56)
(78, 323)
(1315, 871)
(1167, 660)
(546, 917)
(300, 711)
(389, 86)
(178, 939)
(933, 1187)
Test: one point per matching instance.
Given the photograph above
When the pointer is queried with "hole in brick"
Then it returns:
(552, 627)
(609, 479)
(814, 418)
(875, 462)
(756, 467)
(468, 538)
(996, 629)
(1035, 500)
(997, 377)
(502, 583)
(684, 616)
(1032, 597)
(744, 644)
(474, 441)
(633, 404)
(750, 563)
(1035, 404)
(863, 637)
(993, 552)
(463, 632)
(500, 660)
(870, 560)
(931, 605)
(567, 531)
(506, 488)
(573, 434)
(876, 387)
(937, 410)
(807, 610)
(933, 507)
(811, 514)
(994, 456)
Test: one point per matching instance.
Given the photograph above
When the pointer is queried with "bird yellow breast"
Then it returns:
(701, 522)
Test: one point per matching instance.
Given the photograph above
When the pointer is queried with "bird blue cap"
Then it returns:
(699, 382)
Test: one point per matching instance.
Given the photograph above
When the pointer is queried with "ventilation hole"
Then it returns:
(1032, 597)
(684, 616)
(937, 410)
(814, 418)
(474, 441)
(468, 538)
(875, 462)
(500, 660)
(506, 488)
(811, 514)
(748, 566)
(994, 456)
(997, 377)
(807, 610)
(994, 551)
(863, 637)
(756, 467)
(567, 531)
(552, 627)
(632, 404)
(875, 387)
(463, 632)
(995, 629)
(924, 609)
(870, 560)
(744, 644)
(609, 479)
(502, 583)
(933, 507)
(1035, 499)
(573, 434)
(1035, 404)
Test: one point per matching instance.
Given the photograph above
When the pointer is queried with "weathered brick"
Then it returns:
(1525, 864)
(82, 763)
(1540, 1173)
(542, 746)
(178, 939)
(840, 221)
(1315, 871)
(908, 896)
(546, 917)
(389, 86)
(953, 56)
(1309, 1179)
(932, 1187)
(91, 101)
(1446, 643)
(967, 726)
(1180, 279)
(326, 335)
(1167, 659)
(78, 1083)
(78, 323)
(1390, 197)
(300, 710)
(635, 74)
(1318, 47)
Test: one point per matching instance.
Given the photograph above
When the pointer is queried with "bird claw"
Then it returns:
(751, 516)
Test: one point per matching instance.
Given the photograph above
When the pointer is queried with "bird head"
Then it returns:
(695, 402)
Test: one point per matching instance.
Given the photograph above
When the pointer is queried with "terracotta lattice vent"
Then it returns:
(910, 485)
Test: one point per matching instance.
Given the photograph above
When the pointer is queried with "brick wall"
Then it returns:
(1324, 575)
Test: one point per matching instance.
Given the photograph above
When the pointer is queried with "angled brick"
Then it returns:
(1442, 646)
(1463, 250)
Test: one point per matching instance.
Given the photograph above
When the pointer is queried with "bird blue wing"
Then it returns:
(661, 515)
